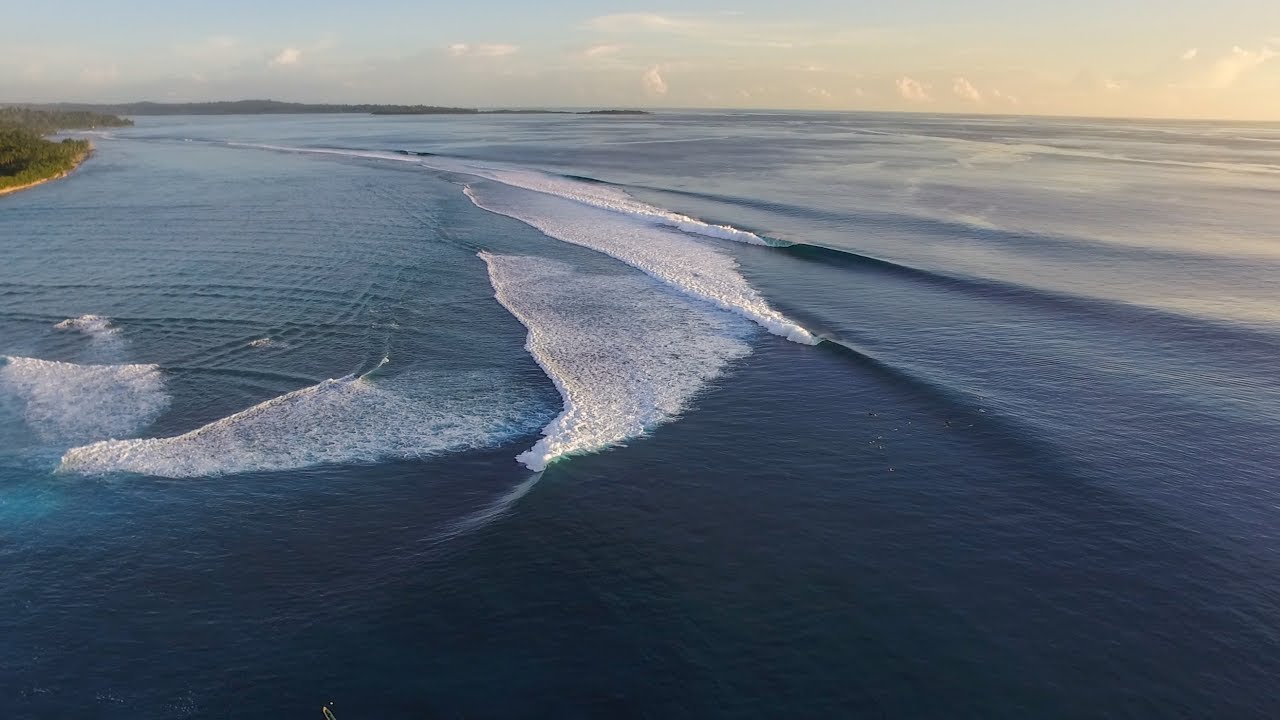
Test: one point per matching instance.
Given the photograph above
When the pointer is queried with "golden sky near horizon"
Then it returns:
(1135, 58)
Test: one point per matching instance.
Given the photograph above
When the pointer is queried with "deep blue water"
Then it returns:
(840, 415)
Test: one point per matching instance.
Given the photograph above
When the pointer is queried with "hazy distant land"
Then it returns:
(275, 107)
(27, 159)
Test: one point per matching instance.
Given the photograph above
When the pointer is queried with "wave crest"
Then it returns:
(96, 326)
(692, 268)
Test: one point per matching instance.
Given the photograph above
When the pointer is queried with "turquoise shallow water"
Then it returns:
(278, 394)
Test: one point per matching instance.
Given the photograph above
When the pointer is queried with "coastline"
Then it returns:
(75, 166)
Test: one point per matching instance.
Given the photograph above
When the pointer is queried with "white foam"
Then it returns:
(66, 402)
(693, 268)
(603, 197)
(95, 326)
(347, 420)
(625, 354)
(261, 342)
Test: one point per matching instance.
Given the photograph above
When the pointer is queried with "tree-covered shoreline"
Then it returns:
(45, 122)
(27, 158)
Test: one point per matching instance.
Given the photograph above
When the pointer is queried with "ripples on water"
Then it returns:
(266, 381)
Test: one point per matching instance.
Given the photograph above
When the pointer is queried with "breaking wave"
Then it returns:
(607, 220)
(345, 420)
(624, 354)
(95, 326)
(605, 197)
(598, 195)
(698, 270)
(70, 403)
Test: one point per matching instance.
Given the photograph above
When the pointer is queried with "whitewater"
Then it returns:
(352, 419)
(71, 402)
(625, 355)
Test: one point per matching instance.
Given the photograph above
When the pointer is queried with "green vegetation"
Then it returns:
(253, 107)
(26, 158)
(45, 122)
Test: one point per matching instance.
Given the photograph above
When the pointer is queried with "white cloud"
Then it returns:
(1111, 85)
(215, 51)
(653, 82)
(820, 93)
(734, 29)
(966, 90)
(496, 50)
(1230, 68)
(1006, 97)
(601, 50)
(913, 90)
(214, 47)
(483, 50)
(1190, 54)
(220, 42)
(636, 21)
(287, 56)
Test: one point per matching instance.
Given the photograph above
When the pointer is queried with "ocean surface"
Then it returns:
(689, 415)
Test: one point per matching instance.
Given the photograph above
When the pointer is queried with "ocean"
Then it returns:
(684, 415)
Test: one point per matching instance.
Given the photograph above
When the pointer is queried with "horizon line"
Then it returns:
(657, 108)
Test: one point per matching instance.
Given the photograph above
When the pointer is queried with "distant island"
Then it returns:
(27, 159)
(413, 110)
(276, 107)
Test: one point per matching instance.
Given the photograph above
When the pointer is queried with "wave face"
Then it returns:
(694, 269)
(607, 220)
(604, 197)
(347, 420)
(594, 194)
(70, 403)
(625, 355)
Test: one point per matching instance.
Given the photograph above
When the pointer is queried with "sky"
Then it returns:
(1127, 58)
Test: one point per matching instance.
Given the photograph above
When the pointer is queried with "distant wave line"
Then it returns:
(817, 252)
